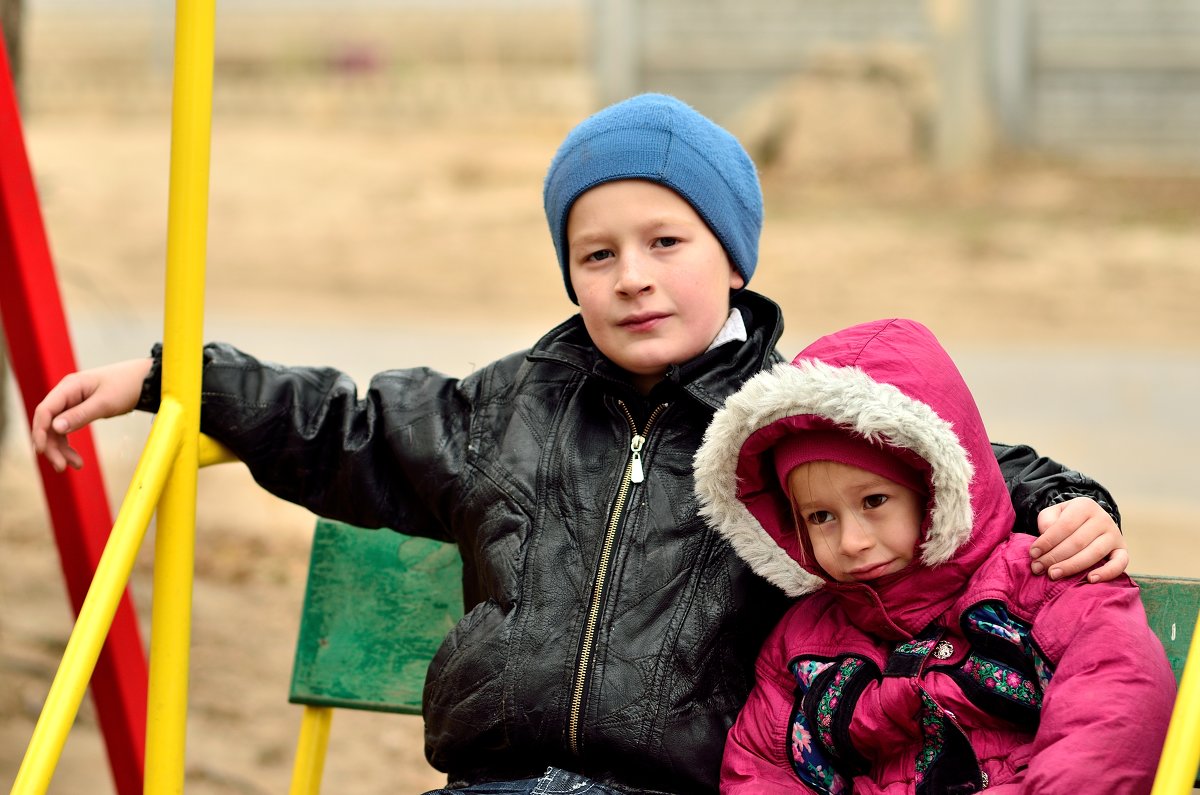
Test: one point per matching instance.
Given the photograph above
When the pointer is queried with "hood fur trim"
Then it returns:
(852, 399)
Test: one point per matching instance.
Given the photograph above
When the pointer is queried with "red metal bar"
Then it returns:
(40, 349)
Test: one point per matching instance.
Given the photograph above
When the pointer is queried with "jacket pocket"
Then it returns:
(470, 659)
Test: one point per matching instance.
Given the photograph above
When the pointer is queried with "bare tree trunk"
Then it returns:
(10, 20)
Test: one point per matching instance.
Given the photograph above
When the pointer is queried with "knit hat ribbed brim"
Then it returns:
(660, 139)
(843, 447)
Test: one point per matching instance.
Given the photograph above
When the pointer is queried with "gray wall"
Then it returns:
(1116, 81)
(1119, 79)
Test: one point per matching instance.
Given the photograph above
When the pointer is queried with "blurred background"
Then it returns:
(1023, 176)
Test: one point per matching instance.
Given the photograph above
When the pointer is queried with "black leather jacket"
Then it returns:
(608, 630)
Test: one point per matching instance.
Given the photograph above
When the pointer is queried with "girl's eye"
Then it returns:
(875, 500)
(818, 517)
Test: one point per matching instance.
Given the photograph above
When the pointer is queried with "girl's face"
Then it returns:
(861, 526)
(653, 281)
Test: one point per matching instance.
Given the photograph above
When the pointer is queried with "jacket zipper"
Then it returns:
(633, 474)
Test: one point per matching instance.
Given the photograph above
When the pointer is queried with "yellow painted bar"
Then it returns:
(1181, 751)
(213, 452)
(187, 220)
(100, 605)
(310, 751)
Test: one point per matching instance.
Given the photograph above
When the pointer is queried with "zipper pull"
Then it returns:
(635, 466)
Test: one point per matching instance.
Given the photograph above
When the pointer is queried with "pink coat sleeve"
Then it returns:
(756, 758)
(1107, 707)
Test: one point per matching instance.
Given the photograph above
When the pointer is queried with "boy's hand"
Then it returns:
(1076, 535)
(79, 399)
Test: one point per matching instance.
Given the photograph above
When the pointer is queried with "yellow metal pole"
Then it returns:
(100, 605)
(213, 452)
(1181, 751)
(187, 219)
(310, 751)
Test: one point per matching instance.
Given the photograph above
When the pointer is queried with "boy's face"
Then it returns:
(861, 526)
(652, 280)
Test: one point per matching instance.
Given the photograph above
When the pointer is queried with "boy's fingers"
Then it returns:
(74, 459)
(37, 435)
(1117, 563)
(55, 457)
(40, 426)
(1048, 516)
(1062, 540)
(75, 416)
(71, 419)
(1053, 528)
(47, 416)
(1078, 561)
(1069, 527)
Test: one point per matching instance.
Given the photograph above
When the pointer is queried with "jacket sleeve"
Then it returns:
(1106, 709)
(1036, 482)
(388, 459)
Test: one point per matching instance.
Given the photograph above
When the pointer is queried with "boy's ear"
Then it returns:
(736, 280)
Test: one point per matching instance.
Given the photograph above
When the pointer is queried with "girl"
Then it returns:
(926, 657)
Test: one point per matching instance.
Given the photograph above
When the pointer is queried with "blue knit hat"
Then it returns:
(660, 139)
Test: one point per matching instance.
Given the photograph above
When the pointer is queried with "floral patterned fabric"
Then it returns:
(1000, 661)
(1005, 673)
(810, 757)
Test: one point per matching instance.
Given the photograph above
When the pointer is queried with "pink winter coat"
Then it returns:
(962, 672)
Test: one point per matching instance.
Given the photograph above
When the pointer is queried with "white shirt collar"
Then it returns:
(734, 329)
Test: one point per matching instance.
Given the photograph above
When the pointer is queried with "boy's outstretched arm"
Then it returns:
(1077, 517)
(79, 399)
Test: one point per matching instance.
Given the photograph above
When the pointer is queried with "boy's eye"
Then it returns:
(874, 500)
(666, 242)
(597, 256)
(818, 517)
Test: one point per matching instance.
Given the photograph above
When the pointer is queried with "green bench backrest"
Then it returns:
(378, 605)
(376, 608)
(1171, 606)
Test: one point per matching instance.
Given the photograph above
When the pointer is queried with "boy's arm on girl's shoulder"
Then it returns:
(376, 461)
(1106, 709)
(1076, 517)
(1036, 482)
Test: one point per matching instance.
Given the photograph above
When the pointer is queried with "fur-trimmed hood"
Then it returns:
(893, 383)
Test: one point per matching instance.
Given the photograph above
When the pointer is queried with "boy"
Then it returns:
(928, 657)
(608, 632)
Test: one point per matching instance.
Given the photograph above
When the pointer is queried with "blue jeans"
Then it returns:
(554, 782)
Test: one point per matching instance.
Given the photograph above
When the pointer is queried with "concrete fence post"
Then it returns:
(963, 135)
(615, 47)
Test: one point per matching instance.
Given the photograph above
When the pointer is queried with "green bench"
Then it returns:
(378, 605)
(376, 608)
(360, 583)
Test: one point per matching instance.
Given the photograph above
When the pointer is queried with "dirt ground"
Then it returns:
(335, 241)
